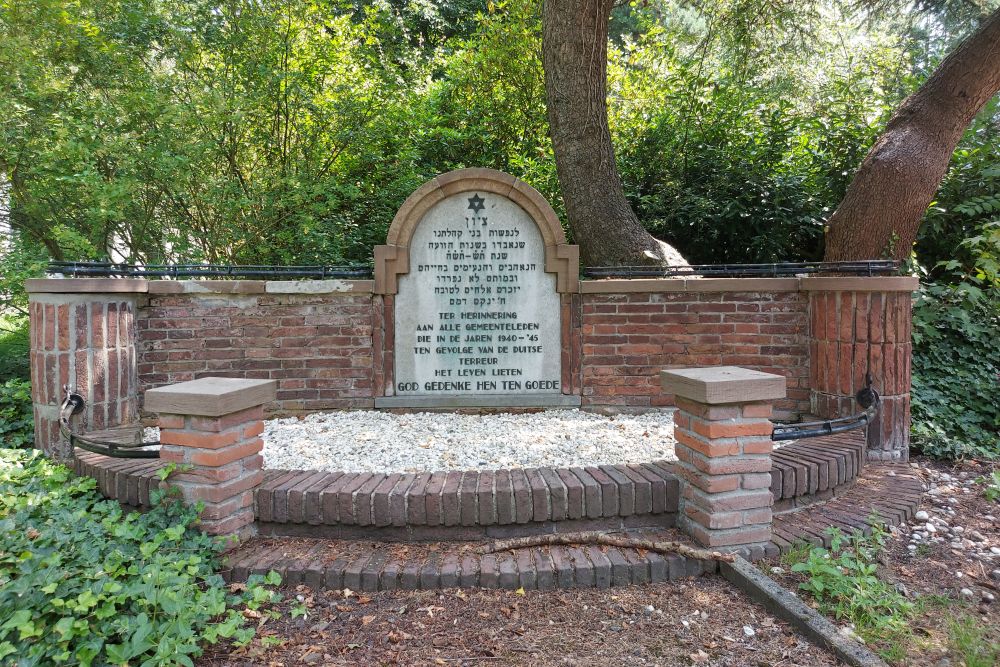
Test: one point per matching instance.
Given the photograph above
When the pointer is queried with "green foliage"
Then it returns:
(16, 417)
(992, 491)
(845, 583)
(735, 149)
(960, 236)
(14, 347)
(956, 367)
(972, 641)
(83, 582)
(270, 132)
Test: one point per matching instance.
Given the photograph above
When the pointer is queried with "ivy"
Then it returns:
(956, 368)
(83, 582)
(16, 419)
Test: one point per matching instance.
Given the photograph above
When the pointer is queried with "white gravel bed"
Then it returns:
(371, 441)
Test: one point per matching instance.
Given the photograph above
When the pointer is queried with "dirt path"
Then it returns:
(701, 622)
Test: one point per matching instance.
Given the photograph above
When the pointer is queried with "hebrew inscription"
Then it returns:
(477, 313)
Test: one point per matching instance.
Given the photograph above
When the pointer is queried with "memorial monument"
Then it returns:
(474, 276)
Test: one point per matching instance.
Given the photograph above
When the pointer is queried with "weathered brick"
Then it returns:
(539, 495)
(469, 488)
(562, 566)
(522, 496)
(504, 497)
(451, 499)
(574, 494)
(593, 504)
(381, 511)
(485, 499)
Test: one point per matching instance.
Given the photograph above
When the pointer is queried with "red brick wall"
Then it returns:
(333, 350)
(317, 346)
(629, 338)
(87, 342)
(856, 332)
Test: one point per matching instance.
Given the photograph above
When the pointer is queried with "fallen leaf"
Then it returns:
(365, 620)
(699, 657)
(520, 591)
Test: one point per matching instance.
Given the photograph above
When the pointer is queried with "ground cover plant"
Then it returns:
(844, 581)
(16, 419)
(85, 582)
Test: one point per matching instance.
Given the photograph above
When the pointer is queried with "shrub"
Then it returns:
(16, 420)
(83, 582)
(956, 367)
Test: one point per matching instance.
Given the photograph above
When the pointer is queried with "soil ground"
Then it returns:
(698, 622)
(930, 575)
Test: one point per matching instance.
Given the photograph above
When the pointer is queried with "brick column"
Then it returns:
(83, 334)
(214, 426)
(724, 454)
(857, 326)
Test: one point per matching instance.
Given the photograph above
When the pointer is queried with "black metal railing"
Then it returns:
(876, 267)
(85, 269)
(111, 270)
(867, 398)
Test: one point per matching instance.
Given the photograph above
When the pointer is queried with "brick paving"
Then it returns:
(885, 494)
(368, 566)
(823, 478)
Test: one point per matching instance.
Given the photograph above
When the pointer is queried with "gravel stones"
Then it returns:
(373, 441)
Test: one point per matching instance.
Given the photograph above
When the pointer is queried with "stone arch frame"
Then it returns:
(393, 258)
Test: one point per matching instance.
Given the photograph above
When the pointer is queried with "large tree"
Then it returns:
(881, 211)
(575, 58)
(883, 206)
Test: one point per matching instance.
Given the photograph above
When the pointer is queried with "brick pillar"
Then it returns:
(854, 332)
(214, 426)
(83, 334)
(723, 447)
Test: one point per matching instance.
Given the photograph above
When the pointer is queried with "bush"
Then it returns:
(83, 582)
(16, 420)
(956, 367)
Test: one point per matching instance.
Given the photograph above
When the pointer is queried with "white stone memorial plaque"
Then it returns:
(477, 314)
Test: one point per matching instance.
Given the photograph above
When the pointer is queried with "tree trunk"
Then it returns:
(897, 180)
(575, 58)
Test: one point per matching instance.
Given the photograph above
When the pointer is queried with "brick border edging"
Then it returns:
(633, 495)
(534, 568)
(803, 473)
(883, 494)
(815, 469)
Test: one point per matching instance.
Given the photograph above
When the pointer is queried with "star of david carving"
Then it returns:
(476, 203)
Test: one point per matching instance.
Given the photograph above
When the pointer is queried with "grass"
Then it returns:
(969, 639)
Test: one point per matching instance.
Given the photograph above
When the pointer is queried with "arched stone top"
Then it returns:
(392, 259)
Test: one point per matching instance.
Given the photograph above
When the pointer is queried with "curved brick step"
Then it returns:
(885, 494)
(477, 504)
(467, 505)
(367, 566)
(129, 481)
(816, 469)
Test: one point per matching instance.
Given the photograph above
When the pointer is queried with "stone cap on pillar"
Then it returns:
(210, 396)
(723, 384)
